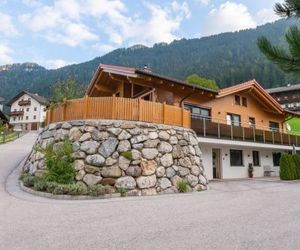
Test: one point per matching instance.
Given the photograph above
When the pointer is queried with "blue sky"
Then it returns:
(60, 32)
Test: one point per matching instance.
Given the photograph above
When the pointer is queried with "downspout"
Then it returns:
(187, 96)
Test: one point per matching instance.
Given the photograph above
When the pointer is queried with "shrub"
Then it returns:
(77, 189)
(287, 167)
(28, 180)
(99, 190)
(183, 186)
(40, 185)
(127, 155)
(296, 159)
(122, 191)
(59, 163)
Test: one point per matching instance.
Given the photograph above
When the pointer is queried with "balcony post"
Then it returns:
(281, 139)
(231, 131)
(243, 132)
(254, 134)
(296, 140)
(273, 136)
(289, 139)
(264, 136)
(219, 130)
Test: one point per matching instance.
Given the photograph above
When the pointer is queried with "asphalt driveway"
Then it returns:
(243, 214)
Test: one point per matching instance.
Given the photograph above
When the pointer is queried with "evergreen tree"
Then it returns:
(288, 61)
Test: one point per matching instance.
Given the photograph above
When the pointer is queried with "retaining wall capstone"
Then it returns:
(144, 158)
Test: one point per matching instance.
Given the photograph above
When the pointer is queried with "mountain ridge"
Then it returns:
(229, 58)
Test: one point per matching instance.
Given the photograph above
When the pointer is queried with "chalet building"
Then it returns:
(288, 96)
(237, 126)
(27, 111)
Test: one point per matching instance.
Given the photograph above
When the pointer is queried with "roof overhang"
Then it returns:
(132, 73)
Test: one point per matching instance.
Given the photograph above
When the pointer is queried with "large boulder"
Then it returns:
(108, 147)
(126, 182)
(146, 181)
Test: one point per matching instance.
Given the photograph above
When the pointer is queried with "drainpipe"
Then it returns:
(184, 98)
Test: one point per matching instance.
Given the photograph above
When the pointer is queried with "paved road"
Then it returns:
(250, 214)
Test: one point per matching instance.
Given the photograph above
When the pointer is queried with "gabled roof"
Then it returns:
(137, 73)
(257, 90)
(42, 100)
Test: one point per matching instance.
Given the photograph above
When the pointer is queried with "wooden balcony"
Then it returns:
(118, 108)
(16, 113)
(24, 102)
(206, 127)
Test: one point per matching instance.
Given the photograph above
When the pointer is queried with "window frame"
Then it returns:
(189, 106)
(258, 158)
(237, 100)
(242, 158)
(244, 101)
(232, 120)
(275, 129)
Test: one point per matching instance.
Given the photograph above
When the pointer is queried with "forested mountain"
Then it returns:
(228, 58)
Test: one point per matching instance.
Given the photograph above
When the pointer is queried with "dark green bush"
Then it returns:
(287, 167)
(59, 163)
(296, 159)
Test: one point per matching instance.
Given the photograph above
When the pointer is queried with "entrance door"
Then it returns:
(216, 159)
(34, 126)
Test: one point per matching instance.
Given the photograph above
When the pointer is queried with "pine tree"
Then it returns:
(288, 61)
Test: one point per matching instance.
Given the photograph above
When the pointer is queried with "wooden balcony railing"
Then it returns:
(16, 113)
(24, 102)
(118, 108)
(214, 128)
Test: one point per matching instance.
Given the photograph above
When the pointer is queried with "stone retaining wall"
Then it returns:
(144, 158)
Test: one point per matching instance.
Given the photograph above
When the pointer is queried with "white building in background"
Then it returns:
(27, 111)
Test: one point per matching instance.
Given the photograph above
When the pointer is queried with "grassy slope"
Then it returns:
(295, 125)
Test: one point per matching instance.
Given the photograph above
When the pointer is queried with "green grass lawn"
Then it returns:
(8, 137)
(295, 126)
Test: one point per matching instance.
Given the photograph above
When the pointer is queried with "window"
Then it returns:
(34, 117)
(14, 118)
(274, 126)
(251, 122)
(237, 100)
(26, 117)
(255, 156)
(35, 108)
(233, 119)
(27, 109)
(236, 157)
(198, 112)
(244, 102)
(276, 158)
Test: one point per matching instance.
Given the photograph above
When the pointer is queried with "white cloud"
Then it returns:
(70, 22)
(229, 16)
(204, 2)
(7, 27)
(56, 63)
(266, 16)
(5, 54)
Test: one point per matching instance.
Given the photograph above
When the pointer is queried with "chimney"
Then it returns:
(147, 68)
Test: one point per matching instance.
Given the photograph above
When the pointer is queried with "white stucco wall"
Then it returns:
(229, 172)
(39, 113)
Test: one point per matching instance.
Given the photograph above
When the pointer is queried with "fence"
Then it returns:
(118, 108)
(218, 128)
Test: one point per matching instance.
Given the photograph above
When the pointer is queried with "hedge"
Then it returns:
(289, 167)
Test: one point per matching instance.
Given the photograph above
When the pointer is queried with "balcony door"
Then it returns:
(216, 160)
